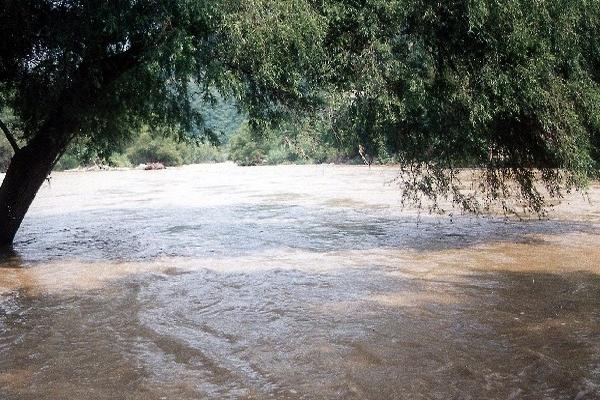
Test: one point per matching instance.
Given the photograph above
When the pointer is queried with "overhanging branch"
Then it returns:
(9, 136)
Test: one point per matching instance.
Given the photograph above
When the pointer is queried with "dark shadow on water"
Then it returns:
(147, 233)
(10, 258)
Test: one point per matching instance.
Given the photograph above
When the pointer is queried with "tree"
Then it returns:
(510, 87)
(73, 68)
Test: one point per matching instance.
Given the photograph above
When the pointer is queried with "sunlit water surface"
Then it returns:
(295, 282)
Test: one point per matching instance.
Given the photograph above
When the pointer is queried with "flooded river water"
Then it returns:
(292, 282)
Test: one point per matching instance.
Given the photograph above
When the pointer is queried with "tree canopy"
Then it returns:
(510, 87)
(112, 65)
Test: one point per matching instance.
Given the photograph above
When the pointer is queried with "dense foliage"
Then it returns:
(221, 117)
(144, 56)
(506, 86)
(146, 148)
(288, 143)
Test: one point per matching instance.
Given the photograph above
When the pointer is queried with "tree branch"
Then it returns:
(10, 137)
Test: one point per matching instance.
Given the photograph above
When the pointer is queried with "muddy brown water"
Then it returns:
(292, 282)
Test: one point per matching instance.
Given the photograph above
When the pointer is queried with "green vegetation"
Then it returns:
(297, 142)
(84, 72)
(145, 149)
(221, 120)
(5, 154)
(512, 88)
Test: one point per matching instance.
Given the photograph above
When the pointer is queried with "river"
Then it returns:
(293, 282)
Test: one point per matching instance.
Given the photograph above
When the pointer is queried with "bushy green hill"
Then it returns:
(222, 117)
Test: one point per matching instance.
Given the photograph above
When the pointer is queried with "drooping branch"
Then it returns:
(9, 136)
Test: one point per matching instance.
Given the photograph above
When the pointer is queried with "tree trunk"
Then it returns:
(26, 173)
(31, 164)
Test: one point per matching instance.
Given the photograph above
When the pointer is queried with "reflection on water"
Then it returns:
(294, 282)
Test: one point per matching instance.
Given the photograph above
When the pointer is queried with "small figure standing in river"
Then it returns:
(367, 158)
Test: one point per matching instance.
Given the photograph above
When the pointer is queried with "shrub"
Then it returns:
(198, 153)
(68, 161)
(245, 149)
(6, 154)
(147, 149)
(119, 160)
